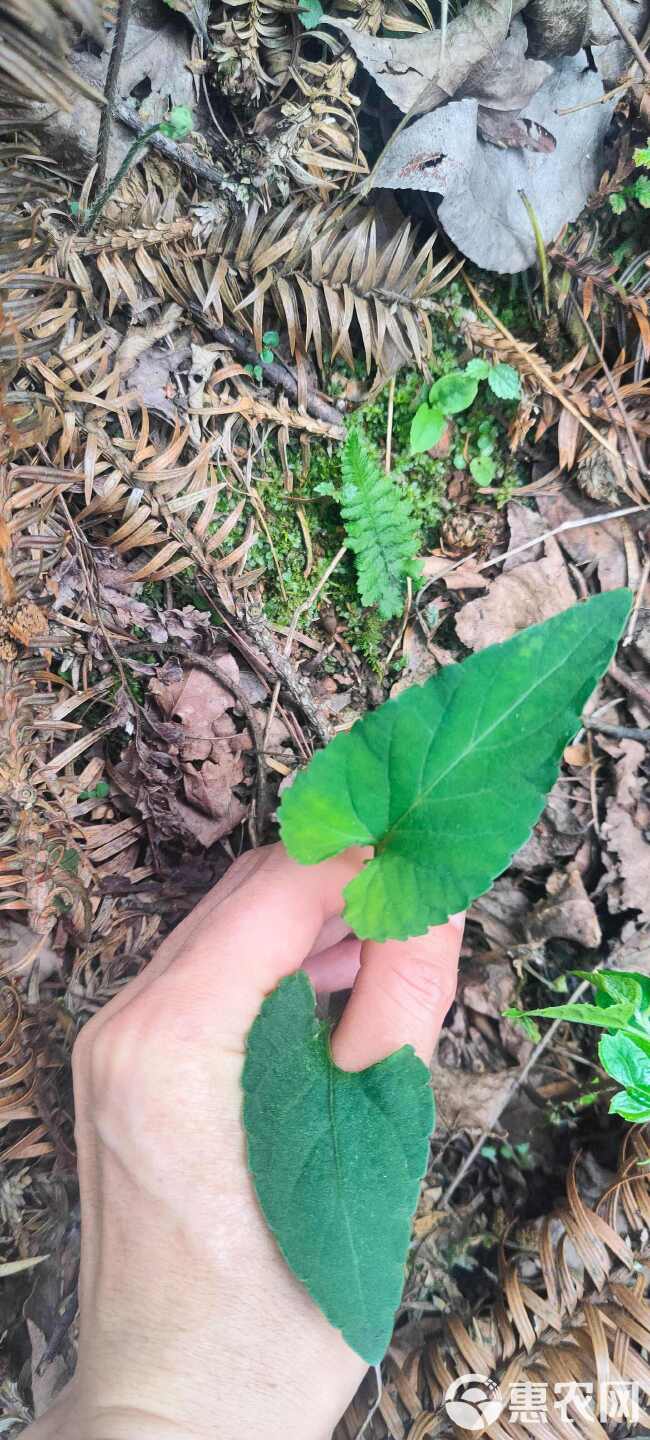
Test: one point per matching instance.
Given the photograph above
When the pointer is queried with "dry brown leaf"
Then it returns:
(210, 790)
(560, 831)
(567, 913)
(597, 547)
(502, 913)
(469, 1102)
(198, 703)
(521, 597)
(624, 831)
(524, 524)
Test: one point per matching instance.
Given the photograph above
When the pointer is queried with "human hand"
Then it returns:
(191, 1323)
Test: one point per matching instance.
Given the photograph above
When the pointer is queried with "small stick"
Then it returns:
(507, 1097)
(375, 1405)
(637, 603)
(642, 467)
(112, 74)
(389, 424)
(306, 604)
(618, 732)
(627, 35)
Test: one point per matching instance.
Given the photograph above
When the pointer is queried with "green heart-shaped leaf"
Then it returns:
(447, 781)
(337, 1158)
(427, 427)
(454, 392)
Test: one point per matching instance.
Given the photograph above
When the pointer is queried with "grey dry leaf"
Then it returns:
(410, 71)
(521, 597)
(487, 220)
(559, 833)
(524, 525)
(627, 851)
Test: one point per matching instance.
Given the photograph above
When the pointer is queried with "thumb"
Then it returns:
(401, 995)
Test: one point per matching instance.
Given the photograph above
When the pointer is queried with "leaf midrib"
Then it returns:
(475, 744)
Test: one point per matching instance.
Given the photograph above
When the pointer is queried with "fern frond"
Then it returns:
(380, 529)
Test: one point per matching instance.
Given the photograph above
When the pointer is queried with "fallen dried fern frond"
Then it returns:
(18, 1078)
(33, 46)
(577, 1325)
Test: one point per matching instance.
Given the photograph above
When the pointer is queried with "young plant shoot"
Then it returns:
(445, 783)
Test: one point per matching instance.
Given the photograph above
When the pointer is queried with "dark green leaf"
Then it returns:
(504, 381)
(633, 1105)
(271, 337)
(427, 426)
(454, 392)
(266, 356)
(482, 469)
(624, 1061)
(336, 1159)
(447, 781)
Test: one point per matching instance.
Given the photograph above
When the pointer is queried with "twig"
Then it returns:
(642, 467)
(629, 635)
(375, 1404)
(511, 1090)
(540, 372)
(112, 74)
(627, 35)
(618, 732)
(389, 424)
(182, 155)
(276, 373)
(306, 604)
(262, 636)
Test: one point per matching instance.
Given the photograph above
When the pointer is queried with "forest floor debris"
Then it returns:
(180, 623)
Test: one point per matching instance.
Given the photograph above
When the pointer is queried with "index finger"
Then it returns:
(261, 932)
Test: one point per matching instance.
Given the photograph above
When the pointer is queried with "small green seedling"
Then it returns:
(622, 1008)
(444, 784)
(270, 340)
(639, 190)
(98, 792)
(455, 392)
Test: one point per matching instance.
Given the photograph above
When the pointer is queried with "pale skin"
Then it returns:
(192, 1326)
